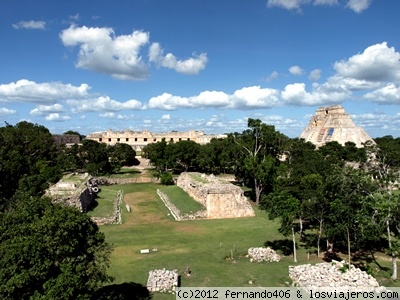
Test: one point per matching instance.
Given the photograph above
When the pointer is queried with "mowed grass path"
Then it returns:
(201, 245)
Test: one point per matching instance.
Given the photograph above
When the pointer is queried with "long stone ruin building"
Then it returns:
(139, 139)
(222, 199)
(333, 124)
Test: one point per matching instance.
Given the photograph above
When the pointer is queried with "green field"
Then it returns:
(205, 246)
(181, 199)
(104, 203)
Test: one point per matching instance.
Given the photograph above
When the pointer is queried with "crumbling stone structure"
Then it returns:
(334, 274)
(259, 254)
(79, 193)
(333, 124)
(222, 199)
(162, 281)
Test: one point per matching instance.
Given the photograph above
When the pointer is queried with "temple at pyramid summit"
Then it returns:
(333, 124)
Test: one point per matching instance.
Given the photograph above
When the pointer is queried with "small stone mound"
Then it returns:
(162, 281)
(333, 274)
(263, 254)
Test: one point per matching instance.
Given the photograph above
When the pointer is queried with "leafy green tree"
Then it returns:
(50, 251)
(121, 155)
(72, 132)
(28, 152)
(156, 153)
(350, 192)
(261, 147)
(286, 208)
(94, 156)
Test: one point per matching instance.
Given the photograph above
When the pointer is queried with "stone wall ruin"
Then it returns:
(221, 198)
(162, 281)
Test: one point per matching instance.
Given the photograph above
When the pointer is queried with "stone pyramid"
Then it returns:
(333, 124)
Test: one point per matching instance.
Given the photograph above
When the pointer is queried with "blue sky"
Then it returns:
(198, 64)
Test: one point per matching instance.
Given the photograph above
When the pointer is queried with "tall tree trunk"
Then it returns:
(257, 189)
(319, 237)
(301, 227)
(348, 244)
(394, 261)
(294, 246)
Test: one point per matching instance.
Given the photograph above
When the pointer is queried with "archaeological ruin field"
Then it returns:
(214, 250)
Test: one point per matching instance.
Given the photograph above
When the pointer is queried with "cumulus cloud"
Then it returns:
(245, 98)
(355, 5)
(101, 51)
(190, 66)
(166, 117)
(42, 110)
(315, 75)
(272, 76)
(358, 5)
(389, 94)
(377, 63)
(48, 92)
(296, 70)
(6, 112)
(30, 25)
(104, 103)
(56, 117)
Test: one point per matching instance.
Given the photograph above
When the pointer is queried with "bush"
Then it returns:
(166, 179)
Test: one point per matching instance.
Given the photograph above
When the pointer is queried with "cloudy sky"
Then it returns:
(198, 64)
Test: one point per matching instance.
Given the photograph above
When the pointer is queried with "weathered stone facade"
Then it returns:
(221, 198)
(333, 124)
(139, 139)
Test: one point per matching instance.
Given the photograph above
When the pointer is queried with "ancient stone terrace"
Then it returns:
(139, 139)
(221, 198)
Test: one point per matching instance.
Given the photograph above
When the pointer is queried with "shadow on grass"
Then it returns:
(126, 290)
(93, 205)
(286, 246)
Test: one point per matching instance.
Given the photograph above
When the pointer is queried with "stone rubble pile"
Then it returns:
(162, 280)
(259, 254)
(333, 274)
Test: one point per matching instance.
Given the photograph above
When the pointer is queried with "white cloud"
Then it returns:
(355, 5)
(296, 70)
(315, 75)
(377, 63)
(57, 117)
(104, 104)
(42, 110)
(245, 98)
(6, 112)
(166, 117)
(29, 91)
(358, 5)
(110, 115)
(389, 94)
(190, 66)
(101, 51)
(30, 25)
(272, 76)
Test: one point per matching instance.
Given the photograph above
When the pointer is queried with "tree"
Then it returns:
(49, 251)
(28, 152)
(94, 155)
(282, 206)
(121, 155)
(261, 147)
(72, 132)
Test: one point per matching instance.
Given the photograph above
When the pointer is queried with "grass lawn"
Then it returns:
(103, 206)
(126, 173)
(181, 199)
(201, 245)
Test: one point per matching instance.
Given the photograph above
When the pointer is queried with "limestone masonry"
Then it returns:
(139, 139)
(221, 199)
(333, 124)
